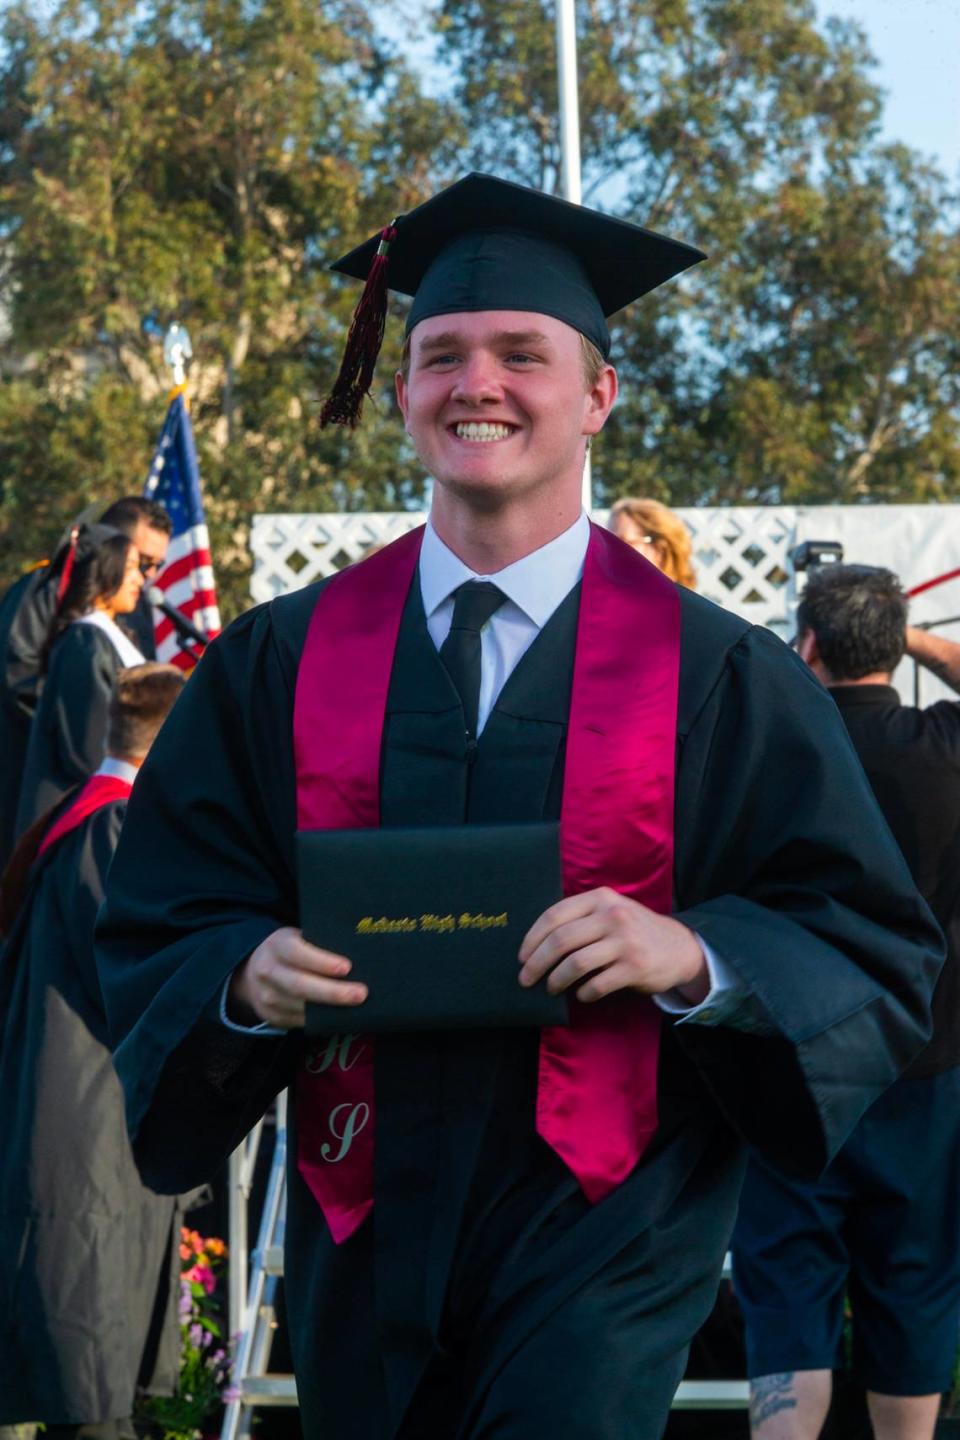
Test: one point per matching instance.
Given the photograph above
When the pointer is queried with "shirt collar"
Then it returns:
(118, 769)
(536, 584)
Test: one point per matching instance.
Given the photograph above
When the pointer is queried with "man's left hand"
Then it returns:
(616, 942)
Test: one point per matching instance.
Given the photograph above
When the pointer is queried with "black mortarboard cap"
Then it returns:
(487, 244)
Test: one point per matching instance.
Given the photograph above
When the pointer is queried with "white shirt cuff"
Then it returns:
(262, 1029)
(728, 1001)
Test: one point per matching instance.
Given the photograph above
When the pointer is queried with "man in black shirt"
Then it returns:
(881, 1224)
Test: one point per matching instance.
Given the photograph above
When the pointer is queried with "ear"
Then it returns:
(401, 389)
(807, 648)
(601, 398)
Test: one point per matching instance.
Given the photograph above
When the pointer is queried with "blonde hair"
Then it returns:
(665, 529)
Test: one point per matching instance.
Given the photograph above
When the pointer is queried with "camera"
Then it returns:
(811, 553)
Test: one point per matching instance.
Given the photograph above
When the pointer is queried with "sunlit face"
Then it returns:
(634, 535)
(152, 545)
(496, 402)
(125, 597)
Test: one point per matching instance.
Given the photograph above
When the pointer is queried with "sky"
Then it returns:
(917, 44)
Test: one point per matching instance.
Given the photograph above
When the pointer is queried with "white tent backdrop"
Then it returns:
(740, 554)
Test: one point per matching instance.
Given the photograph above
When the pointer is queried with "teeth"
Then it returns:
(472, 430)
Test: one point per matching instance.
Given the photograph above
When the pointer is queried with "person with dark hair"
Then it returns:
(495, 1230)
(88, 1255)
(26, 611)
(83, 650)
(149, 527)
(882, 1225)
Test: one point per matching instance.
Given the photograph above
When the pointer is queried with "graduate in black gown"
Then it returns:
(26, 612)
(83, 650)
(479, 1289)
(88, 1261)
(25, 615)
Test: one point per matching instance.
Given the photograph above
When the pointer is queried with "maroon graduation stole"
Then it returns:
(597, 1083)
(99, 790)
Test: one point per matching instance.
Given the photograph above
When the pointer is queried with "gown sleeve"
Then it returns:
(203, 873)
(788, 871)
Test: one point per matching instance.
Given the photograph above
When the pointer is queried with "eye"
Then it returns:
(436, 361)
(520, 357)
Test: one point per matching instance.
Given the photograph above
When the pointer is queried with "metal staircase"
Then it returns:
(253, 1281)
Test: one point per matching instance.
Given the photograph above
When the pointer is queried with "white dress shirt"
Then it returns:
(535, 586)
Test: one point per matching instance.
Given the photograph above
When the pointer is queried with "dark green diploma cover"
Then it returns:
(432, 919)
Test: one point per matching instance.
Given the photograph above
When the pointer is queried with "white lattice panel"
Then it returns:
(290, 551)
(740, 554)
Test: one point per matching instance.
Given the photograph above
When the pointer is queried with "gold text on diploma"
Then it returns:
(430, 924)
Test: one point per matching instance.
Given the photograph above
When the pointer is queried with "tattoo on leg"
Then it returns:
(769, 1395)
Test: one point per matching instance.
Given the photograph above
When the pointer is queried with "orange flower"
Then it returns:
(216, 1247)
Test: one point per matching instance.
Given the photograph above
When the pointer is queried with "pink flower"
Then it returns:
(202, 1275)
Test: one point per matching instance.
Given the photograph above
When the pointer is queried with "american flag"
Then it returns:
(187, 577)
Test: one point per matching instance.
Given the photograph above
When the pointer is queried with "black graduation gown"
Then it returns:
(782, 864)
(68, 737)
(25, 614)
(88, 1264)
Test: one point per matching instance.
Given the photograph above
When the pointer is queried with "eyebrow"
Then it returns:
(450, 339)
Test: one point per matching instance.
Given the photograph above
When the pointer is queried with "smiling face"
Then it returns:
(497, 404)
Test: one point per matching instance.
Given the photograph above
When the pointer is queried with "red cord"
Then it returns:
(931, 584)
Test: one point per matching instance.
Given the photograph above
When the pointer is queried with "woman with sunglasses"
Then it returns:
(659, 535)
(84, 649)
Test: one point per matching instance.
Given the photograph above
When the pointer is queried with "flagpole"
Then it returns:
(570, 139)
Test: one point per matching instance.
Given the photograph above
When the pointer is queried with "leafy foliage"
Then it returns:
(814, 357)
(202, 160)
(198, 161)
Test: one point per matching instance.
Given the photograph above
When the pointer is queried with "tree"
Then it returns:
(199, 161)
(203, 160)
(814, 357)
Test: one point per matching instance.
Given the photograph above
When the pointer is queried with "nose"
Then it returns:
(477, 380)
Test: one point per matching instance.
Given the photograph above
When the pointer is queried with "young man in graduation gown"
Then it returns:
(88, 1260)
(503, 1232)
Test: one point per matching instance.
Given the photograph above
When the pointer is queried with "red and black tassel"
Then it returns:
(68, 564)
(345, 401)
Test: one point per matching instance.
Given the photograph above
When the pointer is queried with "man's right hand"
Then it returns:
(275, 983)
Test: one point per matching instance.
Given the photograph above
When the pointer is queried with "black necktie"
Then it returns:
(473, 605)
